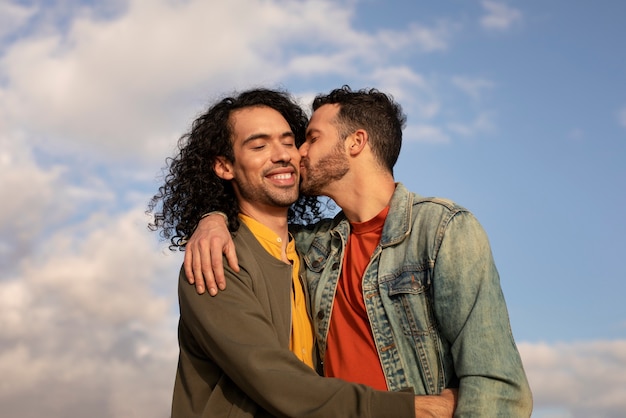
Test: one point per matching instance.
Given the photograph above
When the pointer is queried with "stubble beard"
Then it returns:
(268, 194)
(332, 167)
(268, 197)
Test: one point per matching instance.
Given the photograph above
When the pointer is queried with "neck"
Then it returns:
(363, 195)
(273, 217)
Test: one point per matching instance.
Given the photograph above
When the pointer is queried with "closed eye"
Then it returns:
(256, 143)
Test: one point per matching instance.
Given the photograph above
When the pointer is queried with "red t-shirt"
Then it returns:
(353, 356)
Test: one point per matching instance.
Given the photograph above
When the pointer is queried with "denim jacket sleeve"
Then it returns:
(472, 316)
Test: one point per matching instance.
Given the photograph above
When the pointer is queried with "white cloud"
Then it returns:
(29, 190)
(499, 15)
(88, 324)
(425, 133)
(12, 16)
(395, 80)
(95, 258)
(583, 379)
(473, 87)
(426, 39)
(38, 198)
(33, 198)
(127, 84)
(86, 306)
(483, 123)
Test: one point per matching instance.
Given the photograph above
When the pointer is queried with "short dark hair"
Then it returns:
(373, 111)
(191, 186)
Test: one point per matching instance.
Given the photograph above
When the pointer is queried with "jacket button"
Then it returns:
(315, 264)
(335, 266)
(320, 315)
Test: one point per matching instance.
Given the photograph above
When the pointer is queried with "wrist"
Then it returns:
(216, 212)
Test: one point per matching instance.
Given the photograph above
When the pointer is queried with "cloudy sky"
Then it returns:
(516, 110)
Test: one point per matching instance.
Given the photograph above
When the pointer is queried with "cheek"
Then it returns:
(310, 151)
(316, 154)
(245, 171)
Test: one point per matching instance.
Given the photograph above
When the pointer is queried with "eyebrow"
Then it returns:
(286, 134)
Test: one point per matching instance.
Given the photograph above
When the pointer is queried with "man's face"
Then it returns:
(324, 160)
(266, 167)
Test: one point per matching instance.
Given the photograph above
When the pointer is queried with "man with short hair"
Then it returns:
(250, 353)
(404, 289)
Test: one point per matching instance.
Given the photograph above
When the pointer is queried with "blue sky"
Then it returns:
(516, 110)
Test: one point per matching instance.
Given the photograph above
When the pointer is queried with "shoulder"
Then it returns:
(404, 198)
(250, 252)
(437, 203)
(435, 214)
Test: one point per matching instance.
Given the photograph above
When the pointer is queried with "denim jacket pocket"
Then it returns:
(409, 291)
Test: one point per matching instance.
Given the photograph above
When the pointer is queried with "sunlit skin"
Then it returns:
(265, 173)
(323, 155)
(343, 169)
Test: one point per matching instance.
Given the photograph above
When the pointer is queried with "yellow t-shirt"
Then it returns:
(301, 340)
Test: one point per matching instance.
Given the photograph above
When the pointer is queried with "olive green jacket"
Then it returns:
(234, 357)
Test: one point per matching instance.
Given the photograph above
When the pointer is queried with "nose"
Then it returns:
(281, 154)
(304, 149)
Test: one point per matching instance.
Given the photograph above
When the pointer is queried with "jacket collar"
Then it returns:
(398, 222)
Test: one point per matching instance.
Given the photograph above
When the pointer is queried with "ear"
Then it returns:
(223, 168)
(357, 141)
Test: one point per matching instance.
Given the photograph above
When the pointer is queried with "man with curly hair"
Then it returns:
(404, 289)
(250, 352)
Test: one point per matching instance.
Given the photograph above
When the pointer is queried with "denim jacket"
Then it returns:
(434, 301)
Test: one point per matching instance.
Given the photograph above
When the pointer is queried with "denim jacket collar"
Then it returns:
(398, 222)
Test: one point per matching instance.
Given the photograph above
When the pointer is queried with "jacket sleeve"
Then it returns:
(233, 330)
(472, 316)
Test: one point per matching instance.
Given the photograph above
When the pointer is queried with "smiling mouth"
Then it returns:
(283, 176)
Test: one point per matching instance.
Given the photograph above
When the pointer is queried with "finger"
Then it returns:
(187, 263)
(209, 279)
(231, 257)
(218, 266)
(207, 270)
(197, 270)
(217, 270)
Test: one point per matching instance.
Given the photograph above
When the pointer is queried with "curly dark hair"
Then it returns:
(374, 111)
(191, 186)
